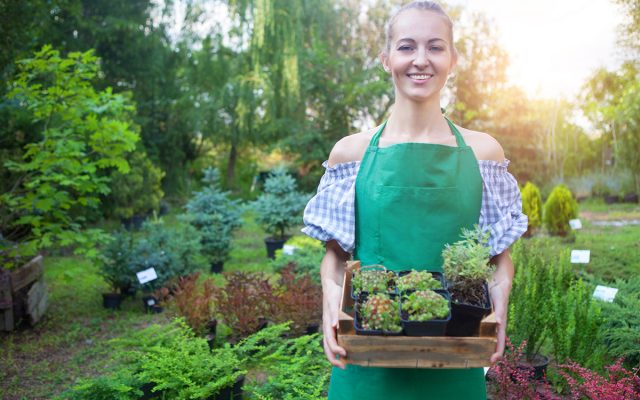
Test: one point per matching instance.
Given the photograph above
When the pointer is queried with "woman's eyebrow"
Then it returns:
(407, 39)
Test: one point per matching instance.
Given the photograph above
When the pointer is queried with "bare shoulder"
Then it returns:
(485, 146)
(350, 148)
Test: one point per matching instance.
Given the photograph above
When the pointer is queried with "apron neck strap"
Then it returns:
(459, 140)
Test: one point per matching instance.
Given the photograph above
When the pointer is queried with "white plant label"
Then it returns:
(147, 275)
(288, 249)
(151, 302)
(575, 224)
(605, 293)
(580, 256)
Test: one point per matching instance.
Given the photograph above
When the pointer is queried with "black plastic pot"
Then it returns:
(466, 318)
(357, 323)
(539, 364)
(273, 244)
(313, 327)
(434, 327)
(111, 301)
(216, 267)
(129, 290)
(151, 304)
(631, 198)
(232, 392)
(610, 199)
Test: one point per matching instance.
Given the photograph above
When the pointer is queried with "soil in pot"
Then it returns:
(111, 301)
(466, 318)
(273, 244)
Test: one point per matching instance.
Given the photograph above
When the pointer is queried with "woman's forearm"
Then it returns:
(332, 266)
(503, 274)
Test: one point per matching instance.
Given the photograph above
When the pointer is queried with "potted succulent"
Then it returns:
(116, 269)
(372, 279)
(425, 312)
(467, 270)
(378, 314)
(216, 216)
(419, 280)
(279, 208)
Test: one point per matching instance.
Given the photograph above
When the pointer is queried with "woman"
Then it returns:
(397, 194)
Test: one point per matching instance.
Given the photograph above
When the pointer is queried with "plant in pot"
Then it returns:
(216, 216)
(378, 314)
(467, 270)
(425, 312)
(116, 269)
(279, 208)
(372, 279)
(419, 280)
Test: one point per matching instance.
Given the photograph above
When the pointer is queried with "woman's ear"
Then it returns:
(384, 60)
(454, 61)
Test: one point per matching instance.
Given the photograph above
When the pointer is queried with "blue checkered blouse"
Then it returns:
(330, 214)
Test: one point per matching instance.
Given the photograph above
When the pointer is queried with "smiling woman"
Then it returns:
(398, 194)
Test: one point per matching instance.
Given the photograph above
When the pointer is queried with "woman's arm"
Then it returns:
(332, 273)
(500, 288)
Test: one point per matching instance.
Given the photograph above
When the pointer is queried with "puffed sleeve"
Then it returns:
(330, 214)
(501, 211)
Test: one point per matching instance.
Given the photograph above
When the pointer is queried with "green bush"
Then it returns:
(306, 258)
(172, 250)
(137, 192)
(280, 206)
(115, 262)
(532, 206)
(622, 323)
(215, 215)
(559, 208)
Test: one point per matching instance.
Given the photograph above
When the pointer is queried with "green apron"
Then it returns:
(412, 199)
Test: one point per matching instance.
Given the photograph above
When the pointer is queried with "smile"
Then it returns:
(420, 77)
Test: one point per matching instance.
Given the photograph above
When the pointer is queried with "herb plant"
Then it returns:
(425, 305)
(467, 268)
(418, 280)
(372, 280)
(380, 312)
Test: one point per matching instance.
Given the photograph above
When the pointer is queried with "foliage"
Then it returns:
(306, 257)
(373, 280)
(215, 215)
(122, 385)
(115, 262)
(533, 284)
(628, 118)
(280, 206)
(137, 192)
(514, 382)
(559, 208)
(466, 264)
(425, 305)
(172, 250)
(245, 302)
(195, 301)
(622, 322)
(380, 312)
(299, 301)
(82, 131)
(297, 369)
(532, 205)
(619, 383)
(418, 280)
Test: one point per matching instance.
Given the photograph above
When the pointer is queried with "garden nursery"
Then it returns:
(156, 158)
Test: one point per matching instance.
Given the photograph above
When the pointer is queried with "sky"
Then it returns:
(554, 45)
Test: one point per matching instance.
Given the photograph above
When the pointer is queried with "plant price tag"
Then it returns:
(605, 293)
(288, 249)
(575, 224)
(580, 256)
(147, 275)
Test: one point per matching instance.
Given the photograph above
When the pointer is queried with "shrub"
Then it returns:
(137, 192)
(116, 262)
(559, 208)
(306, 258)
(618, 384)
(195, 302)
(299, 301)
(122, 385)
(215, 215)
(532, 206)
(513, 381)
(622, 323)
(280, 206)
(172, 251)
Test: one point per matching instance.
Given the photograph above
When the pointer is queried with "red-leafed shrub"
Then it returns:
(299, 301)
(620, 384)
(195, 302)
(513, 380)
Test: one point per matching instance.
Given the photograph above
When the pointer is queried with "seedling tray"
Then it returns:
(411, 351)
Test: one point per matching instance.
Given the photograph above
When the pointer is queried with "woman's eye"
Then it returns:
(436, 48)
(405, 48)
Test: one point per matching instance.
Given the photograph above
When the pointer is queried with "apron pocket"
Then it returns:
(404, 244)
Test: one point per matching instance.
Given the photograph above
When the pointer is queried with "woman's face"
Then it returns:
(420, 56)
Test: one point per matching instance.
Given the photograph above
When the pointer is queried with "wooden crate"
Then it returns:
(411, 351)
(23, 294)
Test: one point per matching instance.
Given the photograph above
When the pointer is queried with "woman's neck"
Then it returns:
(412, 121)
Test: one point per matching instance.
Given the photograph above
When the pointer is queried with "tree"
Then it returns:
(628, 118)
(81, 133)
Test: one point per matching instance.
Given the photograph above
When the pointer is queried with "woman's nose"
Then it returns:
(421, 58)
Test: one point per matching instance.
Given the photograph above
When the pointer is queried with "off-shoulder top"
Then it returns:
(330, 214)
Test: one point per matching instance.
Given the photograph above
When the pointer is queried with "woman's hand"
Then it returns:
(332, 273)
(499, 289)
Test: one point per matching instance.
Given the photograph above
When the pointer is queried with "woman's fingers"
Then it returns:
(331, 347)
(501, 332)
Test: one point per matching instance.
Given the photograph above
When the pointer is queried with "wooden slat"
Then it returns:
(6, 299)
(26, 274)
(37, 291)
(40, 309)
(6, 320)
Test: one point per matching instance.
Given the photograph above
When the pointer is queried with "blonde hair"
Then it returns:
(419, 5)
